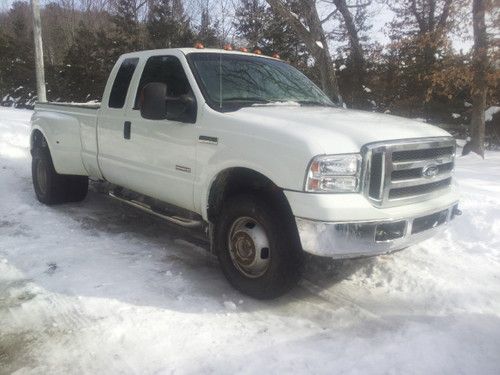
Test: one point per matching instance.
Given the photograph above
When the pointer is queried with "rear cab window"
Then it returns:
(122, 82)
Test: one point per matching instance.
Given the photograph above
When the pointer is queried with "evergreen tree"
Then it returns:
(17, 56)
(168, 26)
(207, 32)
(258, 25)
(127, 30)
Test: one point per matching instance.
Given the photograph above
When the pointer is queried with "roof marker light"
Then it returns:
(276, 55)
(199, 45)
(257, 51)
(228, 47)
(243, 49)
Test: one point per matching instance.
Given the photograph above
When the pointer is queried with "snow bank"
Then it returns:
(488, 114)
(98, 287)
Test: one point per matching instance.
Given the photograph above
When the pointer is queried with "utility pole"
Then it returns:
(480, 79)
(37, 34)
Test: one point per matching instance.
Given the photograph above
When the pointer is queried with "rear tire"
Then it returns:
(52, 187)
(257, 246)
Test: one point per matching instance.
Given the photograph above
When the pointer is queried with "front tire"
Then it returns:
(258, 247)
(52, 187)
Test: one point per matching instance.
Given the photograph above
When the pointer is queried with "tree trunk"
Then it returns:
(357, 56)
(479, 82)
(315, 41)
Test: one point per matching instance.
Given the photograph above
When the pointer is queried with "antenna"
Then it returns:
(220, 80)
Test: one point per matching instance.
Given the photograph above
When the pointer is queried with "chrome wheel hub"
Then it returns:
(249, 247)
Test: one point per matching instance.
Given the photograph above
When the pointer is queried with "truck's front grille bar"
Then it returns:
(402, 172)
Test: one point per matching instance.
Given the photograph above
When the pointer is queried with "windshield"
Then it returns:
(230, 82)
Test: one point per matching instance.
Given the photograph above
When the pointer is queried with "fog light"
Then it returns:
(390, 231)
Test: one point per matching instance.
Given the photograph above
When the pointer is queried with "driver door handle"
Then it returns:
(126, 129)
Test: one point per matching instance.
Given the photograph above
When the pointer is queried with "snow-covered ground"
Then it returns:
(98, 287)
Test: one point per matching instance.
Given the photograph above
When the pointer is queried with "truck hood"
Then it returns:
(335, 130)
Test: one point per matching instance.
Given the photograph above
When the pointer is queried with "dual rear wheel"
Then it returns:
(52, 187)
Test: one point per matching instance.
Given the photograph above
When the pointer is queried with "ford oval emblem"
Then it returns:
(430, 170)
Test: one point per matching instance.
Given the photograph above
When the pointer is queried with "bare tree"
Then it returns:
(479, 81)
(313, 36)
(355, 49)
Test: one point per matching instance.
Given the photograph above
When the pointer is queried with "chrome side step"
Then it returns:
(188, 223)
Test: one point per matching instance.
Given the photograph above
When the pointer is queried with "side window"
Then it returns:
(165, 69)
(121, 83)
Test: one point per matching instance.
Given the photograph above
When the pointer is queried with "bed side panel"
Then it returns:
(62, 132)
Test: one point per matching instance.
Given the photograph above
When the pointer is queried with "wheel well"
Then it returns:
(242, 180)
(37, 140)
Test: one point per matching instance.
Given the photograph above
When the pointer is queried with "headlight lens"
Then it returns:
(334, 174)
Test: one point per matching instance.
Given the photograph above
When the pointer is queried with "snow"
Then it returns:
(319, 44)
(367, 89)
(456, 115)
(97, 287)
(289, 103)
(342, 67)
(488, 114)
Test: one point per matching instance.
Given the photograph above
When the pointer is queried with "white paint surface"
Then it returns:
(98, 287)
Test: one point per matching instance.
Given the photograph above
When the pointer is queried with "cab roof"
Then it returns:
(187, 51)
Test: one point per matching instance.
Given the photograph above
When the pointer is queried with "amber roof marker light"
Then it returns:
(228, 47)
(243, 49)
(257, 51)
(276, 55)
(199, 45)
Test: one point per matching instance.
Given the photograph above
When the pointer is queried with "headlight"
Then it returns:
(334, 174)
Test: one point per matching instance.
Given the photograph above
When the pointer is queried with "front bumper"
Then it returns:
(367, 238)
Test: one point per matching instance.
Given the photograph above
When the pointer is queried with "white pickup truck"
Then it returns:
(249, 149)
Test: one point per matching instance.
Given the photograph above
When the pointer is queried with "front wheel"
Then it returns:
(258, 247)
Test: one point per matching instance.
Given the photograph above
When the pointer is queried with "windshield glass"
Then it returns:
(229, 82)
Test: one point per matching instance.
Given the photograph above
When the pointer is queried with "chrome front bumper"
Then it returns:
(367, 238)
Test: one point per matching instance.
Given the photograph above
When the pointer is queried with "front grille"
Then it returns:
(404, 172)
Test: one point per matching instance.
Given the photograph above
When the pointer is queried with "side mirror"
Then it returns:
(181, 108)
(153, 101)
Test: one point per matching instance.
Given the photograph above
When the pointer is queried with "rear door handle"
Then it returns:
(126, 129)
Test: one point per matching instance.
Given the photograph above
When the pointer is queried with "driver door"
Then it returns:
(161, 156)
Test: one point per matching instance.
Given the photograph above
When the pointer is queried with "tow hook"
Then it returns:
(456, 211)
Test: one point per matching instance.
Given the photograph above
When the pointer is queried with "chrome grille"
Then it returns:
(409, 171)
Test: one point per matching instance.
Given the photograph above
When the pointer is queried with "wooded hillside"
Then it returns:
(418, 73)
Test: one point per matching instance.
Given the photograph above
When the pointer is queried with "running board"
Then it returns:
(188, 223)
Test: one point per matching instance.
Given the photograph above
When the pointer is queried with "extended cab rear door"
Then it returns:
(152, 157)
